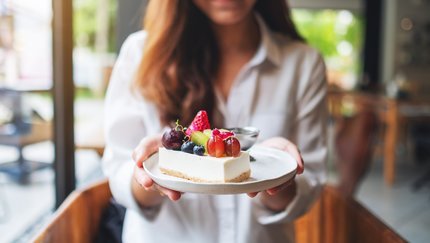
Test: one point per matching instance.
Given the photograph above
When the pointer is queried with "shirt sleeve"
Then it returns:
(124, 124)
(310, 137)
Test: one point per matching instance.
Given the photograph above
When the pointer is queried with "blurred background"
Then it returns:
(378, 58)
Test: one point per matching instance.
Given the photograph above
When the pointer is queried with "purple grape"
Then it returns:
(173, 139)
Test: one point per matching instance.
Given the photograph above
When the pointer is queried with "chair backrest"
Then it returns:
(77, 219)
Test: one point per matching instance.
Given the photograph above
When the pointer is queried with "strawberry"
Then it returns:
(200, 123)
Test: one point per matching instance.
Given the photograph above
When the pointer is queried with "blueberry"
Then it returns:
(187, 147)
(199, 150)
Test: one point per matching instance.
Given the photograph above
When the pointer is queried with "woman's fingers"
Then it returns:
(295, 152)
(146, 182)
(272, 191)
(252, 194)
(171, 194)
(275, 190)
(285, 145)
(142, 178)
(147, 147)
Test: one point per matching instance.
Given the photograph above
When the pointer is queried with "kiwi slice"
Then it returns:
(199, 138)
(208, 132)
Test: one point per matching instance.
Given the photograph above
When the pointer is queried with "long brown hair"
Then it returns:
(180, 56)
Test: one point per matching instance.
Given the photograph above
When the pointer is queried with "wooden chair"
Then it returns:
(332, 219)
(77, 219)
(355, 133)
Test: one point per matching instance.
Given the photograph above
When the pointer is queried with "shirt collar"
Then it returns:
(268, 48)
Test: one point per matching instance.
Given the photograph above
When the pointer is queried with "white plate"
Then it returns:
(272, 168)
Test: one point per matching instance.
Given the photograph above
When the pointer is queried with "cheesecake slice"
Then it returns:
(204, 168)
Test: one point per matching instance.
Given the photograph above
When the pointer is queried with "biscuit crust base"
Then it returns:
(242, 177)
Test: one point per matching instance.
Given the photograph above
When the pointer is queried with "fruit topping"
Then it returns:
(173, 139)
(208, 132)
(215, 132)
(223, 133)
(232, 146)
(199, 150)
(199, 138)
(226, 134)
(200, 123)
(188, 147)
(215, 146)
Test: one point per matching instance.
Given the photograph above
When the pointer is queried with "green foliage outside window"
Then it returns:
(85, 22)
(337, 34)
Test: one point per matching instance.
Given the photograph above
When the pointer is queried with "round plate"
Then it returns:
(271, 168)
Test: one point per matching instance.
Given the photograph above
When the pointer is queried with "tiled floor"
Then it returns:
(405, 210)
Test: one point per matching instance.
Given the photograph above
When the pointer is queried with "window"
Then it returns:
(25, 116)
(27, 64)
(26, 105)
(336, 29)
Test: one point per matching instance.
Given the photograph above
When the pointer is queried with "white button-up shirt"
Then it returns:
(281, 91)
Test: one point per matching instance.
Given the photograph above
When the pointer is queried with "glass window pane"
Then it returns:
(339, 36)
(94, 55)
(26, 149)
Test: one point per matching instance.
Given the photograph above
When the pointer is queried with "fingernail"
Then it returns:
(272, 191)
(172, 198)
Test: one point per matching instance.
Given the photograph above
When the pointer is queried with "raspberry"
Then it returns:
(226, 134)
(215, 132)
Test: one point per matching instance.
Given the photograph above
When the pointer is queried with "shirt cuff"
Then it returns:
(120, 185)
(298, 206)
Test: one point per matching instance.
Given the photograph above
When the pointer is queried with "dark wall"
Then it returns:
(129, 18)
(372, 43)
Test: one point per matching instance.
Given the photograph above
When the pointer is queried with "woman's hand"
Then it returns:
(152, 193)
(279, 197)
(287, 146)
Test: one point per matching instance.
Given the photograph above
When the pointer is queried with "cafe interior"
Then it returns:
(56, 59)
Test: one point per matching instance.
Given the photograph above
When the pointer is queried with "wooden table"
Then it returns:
(399, 113)
(394, 113)
(25, 129)
(21, 168)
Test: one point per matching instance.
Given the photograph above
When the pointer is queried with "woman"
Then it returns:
(244, 63)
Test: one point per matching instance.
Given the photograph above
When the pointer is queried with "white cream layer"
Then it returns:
(204, 167)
